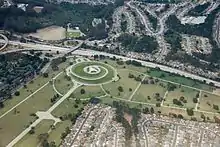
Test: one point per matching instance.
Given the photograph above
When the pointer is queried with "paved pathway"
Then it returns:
(27, 98)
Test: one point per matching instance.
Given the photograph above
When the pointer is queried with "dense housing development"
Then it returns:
(109, 73)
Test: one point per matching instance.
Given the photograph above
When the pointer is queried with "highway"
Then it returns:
(87, 52)
(40, 47)
(148, 64)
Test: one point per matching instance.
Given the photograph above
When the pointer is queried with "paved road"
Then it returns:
(5, 41)
(80, 128)
(91, 52)
(149, 64)
(141, 16)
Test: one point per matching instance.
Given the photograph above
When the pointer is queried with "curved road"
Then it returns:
(5, 41)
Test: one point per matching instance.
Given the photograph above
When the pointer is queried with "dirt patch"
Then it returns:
(128, 117)
(50, 33)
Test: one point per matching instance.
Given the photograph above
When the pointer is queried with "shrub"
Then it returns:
(17, 93)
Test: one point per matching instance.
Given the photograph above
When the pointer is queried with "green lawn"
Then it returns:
(55, 135)
(31, 140)
(31, 87)
(107, 78)
(13, 124)
(73, 34)
(78, 69)
(62, 84)
(67, 107)
(207, 100)
(64, 109)
(147, 93)
(125, 66)
(90, 91)
(179, 79)
(182, 91)
(125, 82)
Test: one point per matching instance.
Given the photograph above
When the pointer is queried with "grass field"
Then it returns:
(62, 84)
(147, 93)
(38, 102)
(74, 34)
(125, 66)
(107, 78)
(63, 110)
(78, 69)
(17, 120)
(179, 79)
(90, 91)
(55, 135)
(32, 140)
(125, 82)
(207, 101)
(182, 91)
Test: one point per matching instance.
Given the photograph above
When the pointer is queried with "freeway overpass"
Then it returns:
(40, 47)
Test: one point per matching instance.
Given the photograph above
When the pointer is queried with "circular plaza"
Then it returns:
(91, 72)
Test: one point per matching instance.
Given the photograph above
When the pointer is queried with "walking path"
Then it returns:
(27, 98)
(44, 115)
(137, 88)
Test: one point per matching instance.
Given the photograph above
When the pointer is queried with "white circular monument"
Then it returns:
(92, 69)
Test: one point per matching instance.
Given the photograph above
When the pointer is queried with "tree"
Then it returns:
(157, 104)
(42, 137)
(195, 100)
(82, 91)
(32, 131)
(215, 107)
(177, 102)
(152, 110)
(52, 144)
(190, 112)
(120, 89)
(17, 93)
(45, 75)
(171, 86)
(146, 110)
(180, 116)
(1, 104)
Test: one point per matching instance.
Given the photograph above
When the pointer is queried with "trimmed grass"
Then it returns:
(179, 79)
(125, 82)
(31, 140)
(64, 109)
(207, 100)
(55, 135)
(147, 93)
(31, 87)
(67, 107)
(62, 84)
(78, 69)
(185, 92)
(73, 34)
(125, 66)
(90, 91)
(107, 78)
(14, 123)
